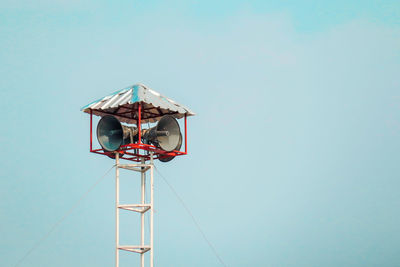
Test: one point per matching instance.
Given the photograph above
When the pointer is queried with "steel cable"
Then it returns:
(193, 218)
(41, 240)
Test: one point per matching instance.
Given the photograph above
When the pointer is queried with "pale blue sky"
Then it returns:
(293, 155)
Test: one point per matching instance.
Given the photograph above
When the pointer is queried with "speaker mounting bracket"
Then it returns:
(138, 150)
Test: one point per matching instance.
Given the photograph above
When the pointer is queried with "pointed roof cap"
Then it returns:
(124, 105)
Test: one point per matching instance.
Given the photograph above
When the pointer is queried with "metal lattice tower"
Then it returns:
(141, 208)
(137, 105)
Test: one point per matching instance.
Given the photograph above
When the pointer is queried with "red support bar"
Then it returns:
(139, 123)
(185, 134)
(91, 134)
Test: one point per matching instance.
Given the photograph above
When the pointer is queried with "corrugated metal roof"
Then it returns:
(124, 103)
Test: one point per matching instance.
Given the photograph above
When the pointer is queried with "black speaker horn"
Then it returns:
(165, 135)
(111, 134)
(169, 158)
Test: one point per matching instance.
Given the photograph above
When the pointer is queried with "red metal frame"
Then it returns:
(137, 151)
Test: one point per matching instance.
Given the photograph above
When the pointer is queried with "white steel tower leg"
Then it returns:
(116, 209)
(143, 181)
(151, 210)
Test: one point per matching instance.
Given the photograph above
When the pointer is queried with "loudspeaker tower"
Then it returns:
(121, 135)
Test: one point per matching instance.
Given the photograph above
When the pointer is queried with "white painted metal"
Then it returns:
(116, 209)
(141, 208)
(143, 181)
(152, 210)
(137, 249)
(135, 207)
(137, 167)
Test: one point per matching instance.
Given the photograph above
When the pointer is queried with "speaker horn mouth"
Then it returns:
(169, 158)
(171, 133)
(110, 133)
